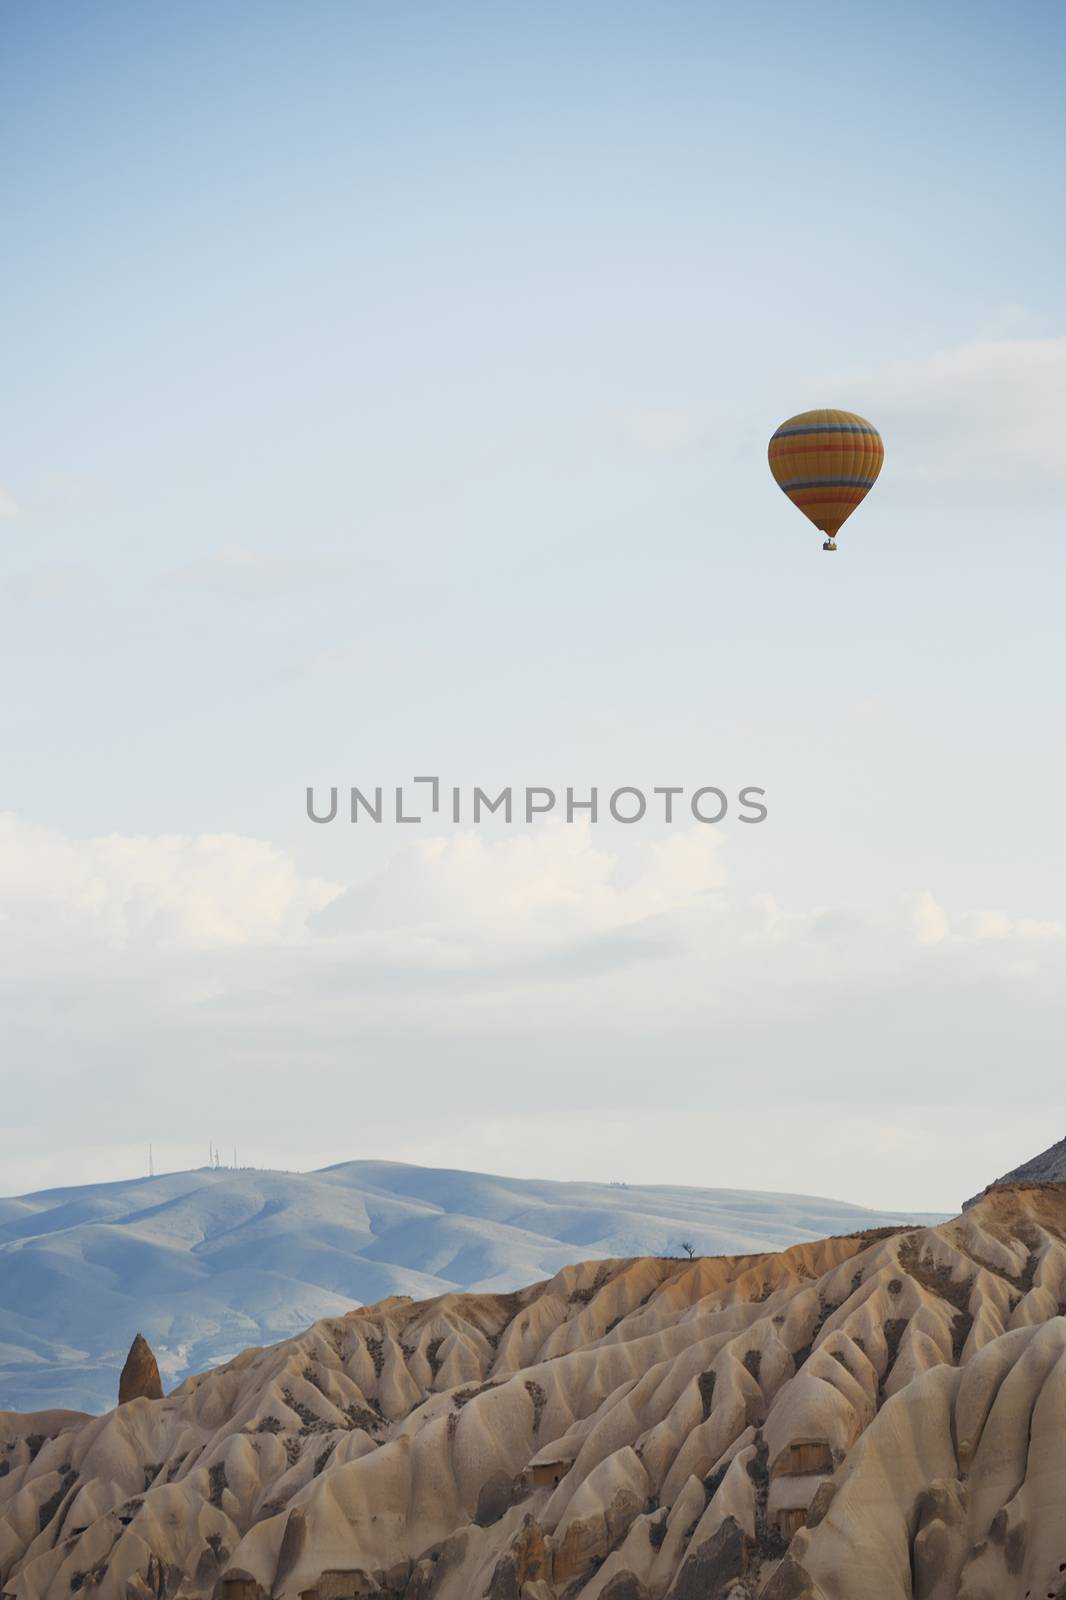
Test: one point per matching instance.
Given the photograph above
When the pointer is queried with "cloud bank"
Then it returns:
(160, 892)
(159, 986)
(988, 417)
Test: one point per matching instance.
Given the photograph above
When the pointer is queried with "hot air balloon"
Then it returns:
(826, 462)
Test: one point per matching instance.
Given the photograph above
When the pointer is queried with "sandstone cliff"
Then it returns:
(873, 1417)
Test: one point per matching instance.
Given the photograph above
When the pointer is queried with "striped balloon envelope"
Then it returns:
(826, 462)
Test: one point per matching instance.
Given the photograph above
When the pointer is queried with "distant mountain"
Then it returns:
(1048, 1167)
(207, 1263)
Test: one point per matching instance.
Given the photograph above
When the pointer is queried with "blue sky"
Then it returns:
(387, 390)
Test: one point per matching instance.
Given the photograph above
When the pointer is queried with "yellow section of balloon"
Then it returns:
(826, 462)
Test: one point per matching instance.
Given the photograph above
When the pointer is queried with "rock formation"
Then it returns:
(140, 1376)
(878, 1416)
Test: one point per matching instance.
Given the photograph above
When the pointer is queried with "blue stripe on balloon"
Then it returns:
(826, 427)
(828, 483)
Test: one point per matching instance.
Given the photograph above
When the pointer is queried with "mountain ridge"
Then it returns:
(210, 1261)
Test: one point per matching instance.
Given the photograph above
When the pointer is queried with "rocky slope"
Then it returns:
(872, 1417)
(206, 1263)
(1048, 1167)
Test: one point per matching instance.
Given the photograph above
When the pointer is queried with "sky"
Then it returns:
(385, 392)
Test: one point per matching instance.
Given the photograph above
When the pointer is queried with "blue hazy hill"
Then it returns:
(205, 1263)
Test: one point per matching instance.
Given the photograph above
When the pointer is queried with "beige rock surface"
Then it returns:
(876, 1417)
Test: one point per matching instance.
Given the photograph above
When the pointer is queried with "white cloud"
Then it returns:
(929, 920)
(998, 925)
(988, 417)
(534, 891)
(9, 507)
(932, 925)
(162, 891)
(463, 901)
